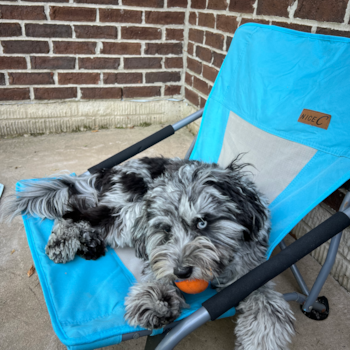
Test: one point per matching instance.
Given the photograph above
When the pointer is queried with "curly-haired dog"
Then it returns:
(185, 219)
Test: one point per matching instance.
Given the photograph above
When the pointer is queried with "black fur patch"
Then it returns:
(104, 180)
(133, 184)
(100, 216)
(156, 166)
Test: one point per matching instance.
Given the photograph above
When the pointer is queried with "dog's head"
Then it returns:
(196, 218)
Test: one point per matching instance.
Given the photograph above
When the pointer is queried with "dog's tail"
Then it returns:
(49, 197)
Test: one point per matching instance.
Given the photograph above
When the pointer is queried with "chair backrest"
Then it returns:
(282, 97)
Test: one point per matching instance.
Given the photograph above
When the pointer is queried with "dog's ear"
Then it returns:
(252, 212)
(139, 234)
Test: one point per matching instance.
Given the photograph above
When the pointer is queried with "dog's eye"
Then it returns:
(167, 229)
(202, 224)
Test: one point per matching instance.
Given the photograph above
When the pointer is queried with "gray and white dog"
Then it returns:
(185, 219)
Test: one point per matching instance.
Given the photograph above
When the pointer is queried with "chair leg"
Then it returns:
(325, 270)
(153, 342)
(297, 274)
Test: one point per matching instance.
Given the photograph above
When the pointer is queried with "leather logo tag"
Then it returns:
(318, 119)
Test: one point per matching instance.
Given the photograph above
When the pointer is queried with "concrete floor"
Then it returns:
(24, 320)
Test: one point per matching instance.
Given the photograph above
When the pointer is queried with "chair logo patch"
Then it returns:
(318, 119)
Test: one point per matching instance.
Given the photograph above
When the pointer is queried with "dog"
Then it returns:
(186, 219)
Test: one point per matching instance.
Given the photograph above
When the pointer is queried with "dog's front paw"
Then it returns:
(266, 322)
(153, 305)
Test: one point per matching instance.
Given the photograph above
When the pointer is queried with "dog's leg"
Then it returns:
(153, 305)
(266, 322)
(68, 239)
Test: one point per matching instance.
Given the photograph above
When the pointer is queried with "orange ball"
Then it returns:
(192, 286)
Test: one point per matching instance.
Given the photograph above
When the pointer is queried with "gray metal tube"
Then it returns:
(184, 328)
(300, 298)
(297, 274)
(188, 153)
(191, 118)
(327, 266)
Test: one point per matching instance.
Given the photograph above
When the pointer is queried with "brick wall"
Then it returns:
(91, 49)
(212, 24)
(120, 49)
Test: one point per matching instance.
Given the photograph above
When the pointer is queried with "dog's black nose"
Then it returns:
(183, 272)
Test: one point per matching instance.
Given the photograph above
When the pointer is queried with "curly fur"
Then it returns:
(185, 219)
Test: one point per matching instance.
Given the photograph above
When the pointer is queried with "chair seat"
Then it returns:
(85, 299)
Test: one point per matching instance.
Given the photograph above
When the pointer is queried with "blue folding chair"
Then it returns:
(282, 99)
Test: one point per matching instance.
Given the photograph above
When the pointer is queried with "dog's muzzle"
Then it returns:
(183, 272)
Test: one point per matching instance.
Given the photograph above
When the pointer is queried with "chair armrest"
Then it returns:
(239, 290)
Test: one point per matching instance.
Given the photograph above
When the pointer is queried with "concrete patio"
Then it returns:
(24, 320)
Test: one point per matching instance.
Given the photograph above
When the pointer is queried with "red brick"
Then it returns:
(76, 14)
(102, 2)
(41, 62)
(242, 6)
(142, 62)
(217, 4)
(101, 93)
(163, 49)
(206, 20)
(172, 17)
(162, 77)
(188, 79)
(98, 32)
(203, 54)
(190, 48)
(46, 0)
(294, 26)
(321, 10)
(55, 93)
(228, 42)
(328, 31)
(171, 90)
(249, 20)
(121, 49)
(13, 62)
(198, 4)
(177, 3)
(174, 34)
(10, 29)
(143, 91)
(193, 18)
(334, 200)
(22, 12)
(173, 62)
(214, 40)
(145, 3)
(24, 46)
(120, 16)
(194, 65)
(191, 96)
(2, 79)
(202, 102)
(48, 30)
(196, 35)
(209, 73)
(31, 78)
(141, 33)
(14, 94)
(74, 47)
(98, 63)
(227, 24)
(201, 85)
(274, 7)
(122, 78)
(218, 59)
(78, 78)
